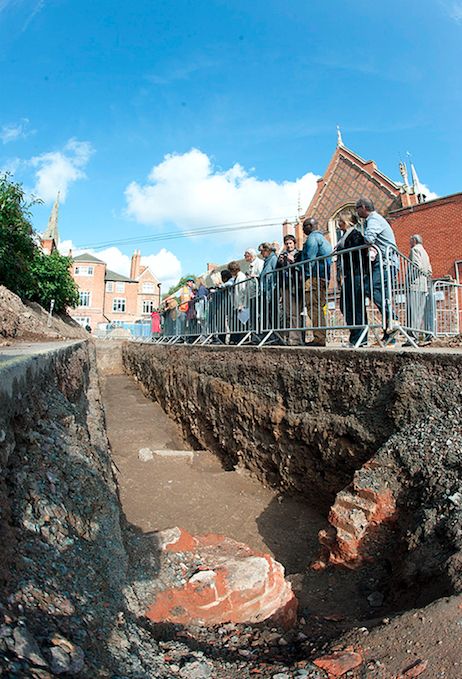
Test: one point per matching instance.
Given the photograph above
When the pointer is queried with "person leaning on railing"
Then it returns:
(239, 302)
(352, 267)
(378, 233)
(268, 289)
(200, 300)
(289, 290)
(255, 267)
(317, 276)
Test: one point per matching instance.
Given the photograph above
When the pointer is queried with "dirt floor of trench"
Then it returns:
(200, 496)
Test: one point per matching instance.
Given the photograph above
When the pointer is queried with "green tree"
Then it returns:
(24, 268)
(52, 280)
(17, 243)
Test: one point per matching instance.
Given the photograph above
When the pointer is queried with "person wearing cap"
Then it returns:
(289, 289)
(317, 276)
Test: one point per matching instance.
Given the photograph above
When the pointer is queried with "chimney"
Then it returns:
(135, 265)
(211, 267)
(299, 235)
(286, 228)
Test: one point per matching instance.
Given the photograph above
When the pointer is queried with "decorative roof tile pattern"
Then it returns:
(347, 178)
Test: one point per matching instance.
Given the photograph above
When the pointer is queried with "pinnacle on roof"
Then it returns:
(52, 228)
(416, 185)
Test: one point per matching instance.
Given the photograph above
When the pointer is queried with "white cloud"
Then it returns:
(454, 9)
(430, 195)
(10, 165)
(189, 191)
(57, 170)
(165, 265)
(15, 131)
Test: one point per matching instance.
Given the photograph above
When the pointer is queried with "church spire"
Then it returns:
(339, 138)
(51, 232)
(416, 185)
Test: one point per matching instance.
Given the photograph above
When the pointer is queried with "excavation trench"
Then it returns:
(365, 446)
(371, 441)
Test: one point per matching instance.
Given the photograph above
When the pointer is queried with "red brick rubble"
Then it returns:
(232, 583)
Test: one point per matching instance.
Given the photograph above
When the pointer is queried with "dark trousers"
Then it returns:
(353, 305)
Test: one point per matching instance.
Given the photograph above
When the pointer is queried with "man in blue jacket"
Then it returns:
(317, 276)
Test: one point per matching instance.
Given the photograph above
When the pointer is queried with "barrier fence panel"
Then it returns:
(411, 300)
(344, 296)
(328, 296)
(447, 307)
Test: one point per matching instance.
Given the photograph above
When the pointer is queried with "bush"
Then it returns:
(52, 280)
(24, 268)
(17, 242)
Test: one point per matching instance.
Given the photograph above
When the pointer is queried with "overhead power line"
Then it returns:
(241, 226)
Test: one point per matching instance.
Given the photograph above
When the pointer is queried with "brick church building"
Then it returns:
(438, 221)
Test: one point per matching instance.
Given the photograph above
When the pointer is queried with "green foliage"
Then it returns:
(17, 242)
(181, 282)
(52, 280)
(24, 268)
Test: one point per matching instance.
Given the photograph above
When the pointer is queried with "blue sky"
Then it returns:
(157, 120)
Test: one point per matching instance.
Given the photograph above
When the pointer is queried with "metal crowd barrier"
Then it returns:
(332, 296)
(124, 331)
(343, 296)
(410, 299)
(230, 314)
(447, 296)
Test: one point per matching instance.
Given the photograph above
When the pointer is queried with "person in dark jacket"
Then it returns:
(268, 287)
(352, 267)
(290, 290)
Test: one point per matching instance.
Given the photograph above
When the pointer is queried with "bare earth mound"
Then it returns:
(28, 322)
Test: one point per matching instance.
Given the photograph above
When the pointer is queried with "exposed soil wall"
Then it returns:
(66, 577)
(385, 427)
(302, 421)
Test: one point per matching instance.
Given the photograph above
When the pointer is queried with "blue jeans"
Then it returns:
(376, 296)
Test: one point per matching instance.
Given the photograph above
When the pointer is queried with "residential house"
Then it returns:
(110, 297)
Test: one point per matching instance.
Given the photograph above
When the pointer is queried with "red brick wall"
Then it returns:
(93, 284)
(439, 222)
(130, 294)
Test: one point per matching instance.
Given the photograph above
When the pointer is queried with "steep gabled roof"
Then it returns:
(147, 270)
(347, 177)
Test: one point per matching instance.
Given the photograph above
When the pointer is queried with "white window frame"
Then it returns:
(147, 302)
(120, 286)
(83, 271)
(82, 320)
(84, 296)
(149, 288)
(117, 304)
(109, 286)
